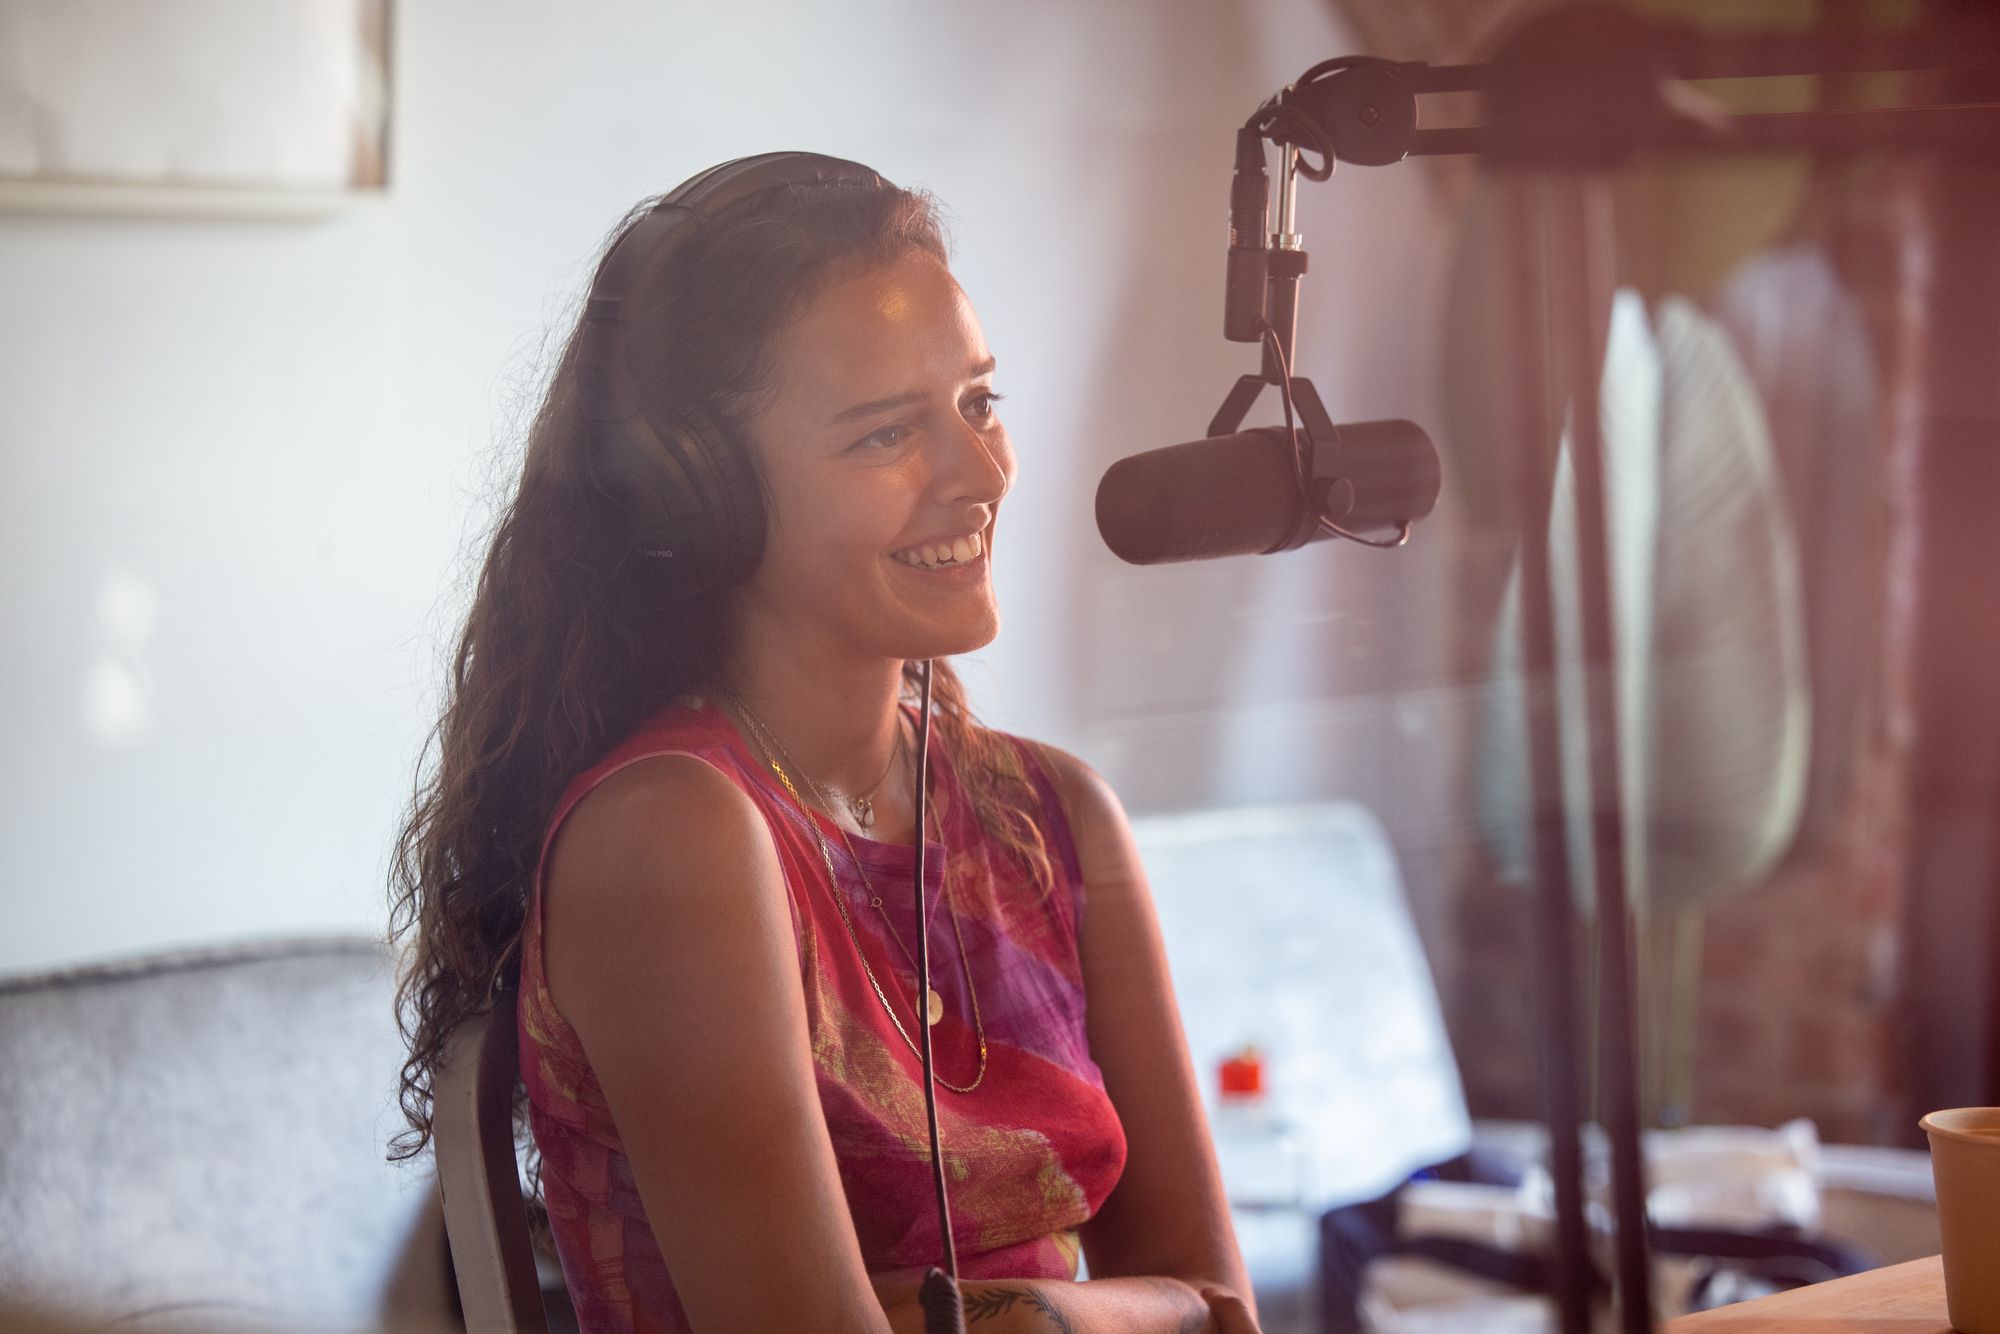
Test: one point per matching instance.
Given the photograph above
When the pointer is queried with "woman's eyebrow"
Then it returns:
(908, 396)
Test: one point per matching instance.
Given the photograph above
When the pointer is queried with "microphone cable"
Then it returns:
(1276, 113)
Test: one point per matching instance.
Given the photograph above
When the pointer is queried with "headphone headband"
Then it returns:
(689, 207)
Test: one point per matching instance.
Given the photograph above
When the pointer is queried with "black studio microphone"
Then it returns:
(1238, 495)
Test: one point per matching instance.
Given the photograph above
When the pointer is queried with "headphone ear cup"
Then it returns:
(690, 499)
(689, 494)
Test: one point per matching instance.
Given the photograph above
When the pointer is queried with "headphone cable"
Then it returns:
(943, 1312)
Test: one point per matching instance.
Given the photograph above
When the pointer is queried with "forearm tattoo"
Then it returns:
(996, 1302)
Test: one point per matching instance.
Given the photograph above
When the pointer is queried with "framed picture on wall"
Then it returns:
(206, 107)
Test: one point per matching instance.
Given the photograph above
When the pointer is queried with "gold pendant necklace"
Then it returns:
(933, 1003)
(862, 806)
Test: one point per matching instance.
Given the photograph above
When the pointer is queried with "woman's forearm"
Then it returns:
(1053, 1306)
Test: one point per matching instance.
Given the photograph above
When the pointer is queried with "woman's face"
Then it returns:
(885, 463)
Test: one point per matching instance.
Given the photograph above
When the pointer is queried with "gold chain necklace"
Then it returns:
(934, 1007)
(933, 1003)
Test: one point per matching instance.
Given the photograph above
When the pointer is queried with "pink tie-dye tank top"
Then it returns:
(1031, 1152)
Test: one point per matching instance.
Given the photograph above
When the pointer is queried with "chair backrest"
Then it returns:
(198, 1140)
(472, 1131)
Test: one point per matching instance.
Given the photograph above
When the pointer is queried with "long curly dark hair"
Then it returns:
(569, 643)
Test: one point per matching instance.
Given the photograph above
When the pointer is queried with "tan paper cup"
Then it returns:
(1965, 1162)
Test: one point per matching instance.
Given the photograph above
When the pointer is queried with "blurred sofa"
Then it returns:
(196, 1141)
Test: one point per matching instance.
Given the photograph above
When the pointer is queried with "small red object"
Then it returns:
(1243, 1074)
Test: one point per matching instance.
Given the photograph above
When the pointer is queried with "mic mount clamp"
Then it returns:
(1328, 493)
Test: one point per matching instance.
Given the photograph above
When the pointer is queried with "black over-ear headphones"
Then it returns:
(690, 495)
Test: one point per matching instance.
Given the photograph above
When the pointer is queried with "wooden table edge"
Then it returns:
(1905, 1294)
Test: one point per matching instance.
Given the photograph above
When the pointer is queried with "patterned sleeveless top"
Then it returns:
(1032, 1152)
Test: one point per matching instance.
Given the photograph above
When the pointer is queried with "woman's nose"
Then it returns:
(980, 470)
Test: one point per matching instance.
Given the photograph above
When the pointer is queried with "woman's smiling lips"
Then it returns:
(944, 554)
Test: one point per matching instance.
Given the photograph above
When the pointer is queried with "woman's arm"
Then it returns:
(669, 950)
(1162, 1253)
(1057, 1306)
(1168, 1216)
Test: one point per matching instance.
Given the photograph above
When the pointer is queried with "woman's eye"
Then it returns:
(979, 407)
(885, 438)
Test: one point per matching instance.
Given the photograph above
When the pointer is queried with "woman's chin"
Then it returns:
(949, 642)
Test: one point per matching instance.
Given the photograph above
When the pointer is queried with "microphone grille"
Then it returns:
(1227, 495)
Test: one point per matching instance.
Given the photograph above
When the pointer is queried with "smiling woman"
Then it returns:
(674, 785)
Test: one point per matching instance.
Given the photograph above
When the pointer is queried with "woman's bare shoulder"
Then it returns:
(668, 816)
(661, 856)
(1096, 816)
(674, 802)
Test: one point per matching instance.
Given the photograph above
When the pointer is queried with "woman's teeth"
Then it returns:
(936, 557)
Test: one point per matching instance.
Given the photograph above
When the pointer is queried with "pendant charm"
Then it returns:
(863, 811)
(934, 1007)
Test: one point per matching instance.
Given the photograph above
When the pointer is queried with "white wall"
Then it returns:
(241, 463)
